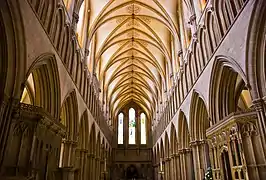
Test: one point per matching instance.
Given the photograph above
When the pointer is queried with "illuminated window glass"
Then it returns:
(143, 128)
(120, 128)
(132, 127)
(80, 22)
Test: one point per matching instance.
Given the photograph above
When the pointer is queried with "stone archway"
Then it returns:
(225, 163)
(132, 172)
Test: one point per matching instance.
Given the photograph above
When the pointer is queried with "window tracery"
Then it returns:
(120, 128)
(143, 128)
(132, 127)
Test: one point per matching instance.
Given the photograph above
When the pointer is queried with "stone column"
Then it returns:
(98, 168)
(167, 168)
(260, 108)
(90, 166)
(82, 163)
(189, 163)
(177, 165)
(68, 153)
(93, 167)
(172, 167)
(198, 154)
(183, 164)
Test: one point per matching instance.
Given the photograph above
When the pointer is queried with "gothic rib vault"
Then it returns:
(136, 45)
(142, 89)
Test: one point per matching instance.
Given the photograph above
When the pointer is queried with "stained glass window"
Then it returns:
(132, 127)
(143, 128)
(120, 128)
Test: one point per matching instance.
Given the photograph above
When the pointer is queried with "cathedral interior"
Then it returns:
(132, 89)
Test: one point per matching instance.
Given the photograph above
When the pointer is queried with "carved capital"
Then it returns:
(258, 104)
(75, 17)
(197, 142)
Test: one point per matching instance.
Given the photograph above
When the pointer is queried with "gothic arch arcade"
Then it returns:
(132, 89)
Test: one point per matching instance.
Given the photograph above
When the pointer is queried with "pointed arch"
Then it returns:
(173, 140)
(45, 75)
(13, 56)
(226, 84)
(166, 146)
(183, 131)
(84, 131)
(255, 54)
(199, 118)
(92, 139)
(69, 115)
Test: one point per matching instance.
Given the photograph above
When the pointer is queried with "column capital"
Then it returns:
(258, 104)
(184, 150)
(67, 141)
(166, 159)
(198, 142)
(75, 17)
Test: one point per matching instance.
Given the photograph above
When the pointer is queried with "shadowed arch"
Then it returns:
(226, 76)
(183, 132)
(45, 75)
(199, 118)
(166, 145)
(162, 148)
(255, 54)
(69, 115)
(84, 131)
(92, 139)
(173, 140)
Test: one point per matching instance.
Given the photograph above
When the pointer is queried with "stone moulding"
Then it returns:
(42, 118)
(231, 120)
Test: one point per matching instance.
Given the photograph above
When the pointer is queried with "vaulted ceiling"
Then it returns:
(135, 44)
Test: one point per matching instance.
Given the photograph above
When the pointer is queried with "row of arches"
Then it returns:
(209, 35)
(213, 26)
(214, 135)
(49, 150)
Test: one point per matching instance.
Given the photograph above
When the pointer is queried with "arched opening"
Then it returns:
(92, 151)
(82, 146)
(228, 91)
(42, 87)
(132, 126)
(120, 133)
(80, 24)
(200, 122)
(186, 158)
(143, 128)
(174, 151)
(230, 102)
(226, 170)
(166, 157)
(69, 118)
(132, 172)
